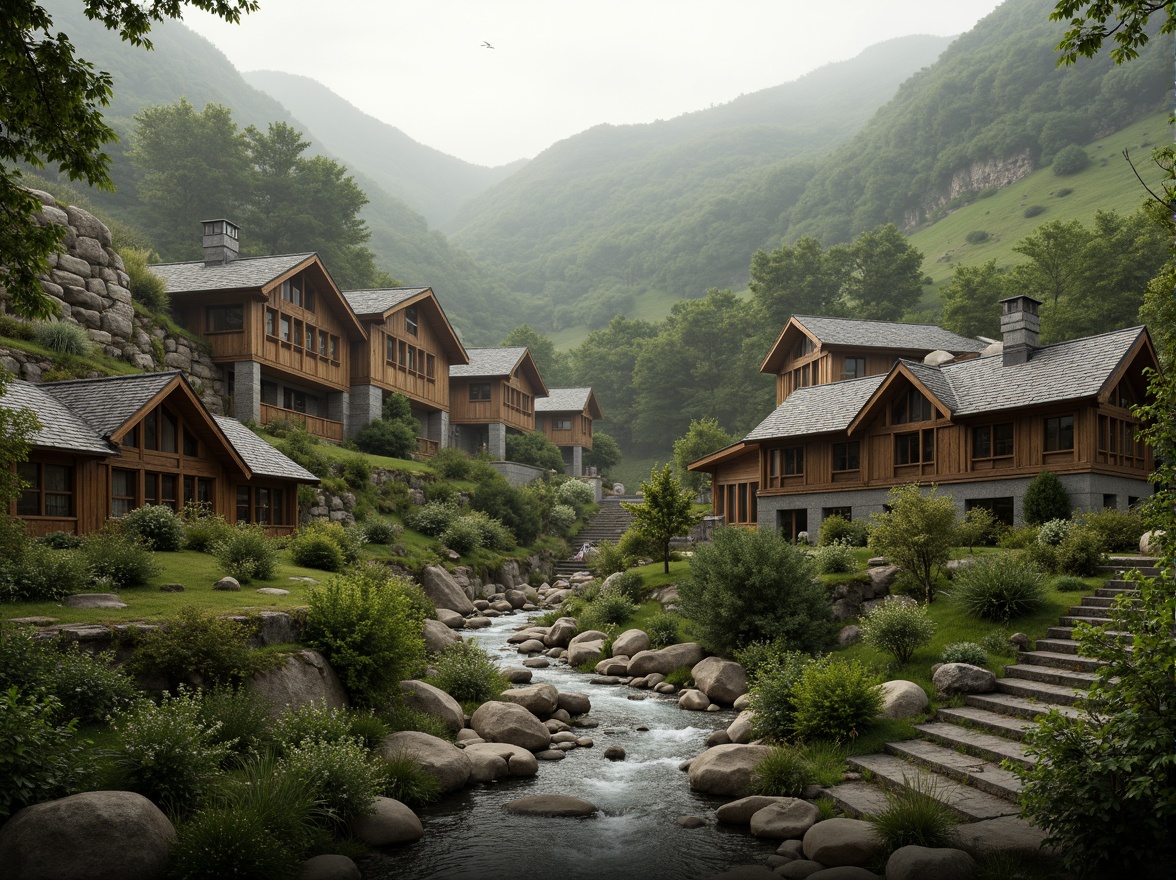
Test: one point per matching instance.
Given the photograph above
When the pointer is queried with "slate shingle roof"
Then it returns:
(241, 273)
(818, 409)
(886, 334)
(488, 362)
(60, 427)
(262, 459)
(374, 302)
(935, 382)
(106, 404)
(563, 400)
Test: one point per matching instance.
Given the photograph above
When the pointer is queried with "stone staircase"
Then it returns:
(607, 524)
(958, 755)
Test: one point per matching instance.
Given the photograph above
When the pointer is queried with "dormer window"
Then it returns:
(911, 407)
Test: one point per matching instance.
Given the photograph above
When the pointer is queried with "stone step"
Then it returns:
(1088, 611)
(1015, 706)
(1059, 641)
(1110, 592)
(1046, 656)
(983, 719)
(969, 804)
(1074, 620)
(976, 743)
(1050, 675)
(857, 799)
(1040, 691)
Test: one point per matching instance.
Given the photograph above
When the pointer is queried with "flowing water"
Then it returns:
(470, 836)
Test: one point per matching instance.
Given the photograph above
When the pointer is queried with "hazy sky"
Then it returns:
(558, 67)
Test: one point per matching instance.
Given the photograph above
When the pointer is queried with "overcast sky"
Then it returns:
(558, 67)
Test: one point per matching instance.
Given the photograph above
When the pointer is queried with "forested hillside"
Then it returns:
(675, 205)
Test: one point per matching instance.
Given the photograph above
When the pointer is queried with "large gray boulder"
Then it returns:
(330, 867)
(301, 679)
(560, 633)
(742, 729)
(96, 835)
(575, 703)
(445, 591)
(390, 823)
(538, 699)
(630, 642)
(503, 759)
(586, 646)
(438, 636)
(424, 697)
(962, 678)
(902, 699)
(665, 660)
(837, 842)
(739, 812)
(785, 820)
(726, 770)
(724, 681)
(510, 723)
(927, 863)
(436, 756)
(693, 700)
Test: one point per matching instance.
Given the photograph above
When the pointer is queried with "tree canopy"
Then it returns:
(666, 513)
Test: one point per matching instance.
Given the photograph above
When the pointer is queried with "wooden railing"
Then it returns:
(426, 447)
(328, 429)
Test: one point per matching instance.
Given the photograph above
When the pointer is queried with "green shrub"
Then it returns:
(576, 494)
(400, 716)
(771, 693)
(118, 560)
(747, 586)
(759, 656)
(202, 533)
(517, 510)
(301, 446)
(897, 626)
(433, 517)
(369, 628)
(979, 529)
(834, 558)
(1043, 557)
(607, 608)
(1081, 552)
(839, 530)
(63, 338)
(1053, 532)
(156, 526)
(195, 645)
(408, 782)
(344, 777)
(40, 758)
(1017, 538)
(493, 534)
(311, 721)
(785, 772)
(1000, 588)
(167, 752)
(605, 559)
(636, 545)
(40, 574)
(976, 237)
(835, 700)
(997, 643)
(15, 328)
(61, 541)
(247, 553)
(1070, 160)
(392, 439)
(463, 536)
(917, 533)
(357, 472)
(467, 673)
(316, 551)
(1070, 584)
(662, 630)
(235, 842)
(914, 816)
(1045, 499)
(629, 584)
(561, 519)
(1118, 530)
(381, 531)
(146, 287)
(452, 463)
(964, 652)
(1033, 211)
(534, 449)
(368, 727)
(1063, 192)
(243, 716)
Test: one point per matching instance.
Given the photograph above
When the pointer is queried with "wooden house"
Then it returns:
(980, 427)
(493, 393)
(566, 417)
(409, 348)
(107, 446)
(278, 326)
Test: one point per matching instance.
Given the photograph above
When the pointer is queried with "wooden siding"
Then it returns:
(423, 381)
(825, 365)
(498, 408)
(737, 476)
(580, 433)
(328, 429)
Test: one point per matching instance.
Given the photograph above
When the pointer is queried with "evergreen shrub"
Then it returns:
(118, 560)
(835, 700)
(1119, 530)
(1033, 211)
(1045, 499)
(561, 519)
(463, 536)
(40, 574)
(999, 588)
(1081, 552)
(381, 531)
(834, 558)
(964, 652)
(247, 553)
(576, 494)
(662, 630)
(195, 645)
(606, 558)
(773, 680)
(452, 463)
(1069, 161)
(343, 776)
(316, 551)
(202, 533)
(839, 530)
(243, 716)
(979, 529)
(897, 626)
(1053, 532)
(156, 526)
(976, 237)
(433, 517)
(311, 721)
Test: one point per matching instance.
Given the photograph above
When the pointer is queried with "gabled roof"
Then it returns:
(727, 453)
(263, 459)
(60, 427)
(488, 363)
(378, 304)
(818, 409)
(854, 333)
(570, 400)
(195, 275)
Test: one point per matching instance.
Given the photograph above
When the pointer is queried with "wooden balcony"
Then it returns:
(328, 429)
(427, 448)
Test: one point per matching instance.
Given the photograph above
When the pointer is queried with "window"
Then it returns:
(805, 346)
(191, 446)
(297, 333)
(169, 427)
(122, 492)
(403, 354)
(198, 489)
(911, 407)
(390, 350)
(411, 363)
(295, 400)
(271, 322)
(790, 523)
(846, 513)
(784, 463)
(1110, 502)
(292, 291)
(914, 447)
(410, 320)
(561, 424)
(738, 500)
(131, 438)
(855, 367)
(479, 391)
(1000, 508)
(49, 491)
(1059, 433)
(992, 441)
(269, 393)
(225, 319)
(334, 348)
(242, 504)
(309, 338)
(847, 456)
(430, 366)
(324, 338)
(151, 430)
(284, 324)
(263, 506)
(1117, 443)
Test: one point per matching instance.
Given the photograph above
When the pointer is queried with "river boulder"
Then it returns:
(928, 863)
(575, 703)
(963, 678)
(444, 591)
(560, 633)
(586, 646)
(436, 756)
(510, 723)
(438, 636)
(665, 660)
(724, 681)
(538, 699)
(515, 760)
(726, 770)
(390, 823)
(330, 867)
(424, 697)
(739, 812)
(630, 642)
(96, 835)
(787, 819)
(838, 842)
(693, 700)
(303, 678)
(742, 729)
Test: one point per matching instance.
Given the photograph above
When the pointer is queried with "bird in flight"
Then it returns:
(486, 45)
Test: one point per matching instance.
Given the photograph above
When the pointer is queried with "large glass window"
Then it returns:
(49, 490)
(914, 447)
(992, 441)
(1059, 433)
(123, 498)
(223, 319)
(910, 407)
(847, 456)
(855, 367)
(479, 391)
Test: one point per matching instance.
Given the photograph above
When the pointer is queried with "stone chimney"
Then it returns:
(1019, 325)
(220, 242)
